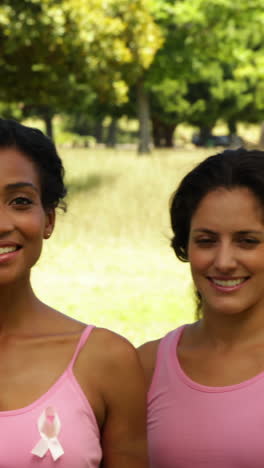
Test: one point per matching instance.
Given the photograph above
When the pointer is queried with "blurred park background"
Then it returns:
(134, 93)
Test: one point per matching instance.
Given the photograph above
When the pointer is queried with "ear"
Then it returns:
(49, 222)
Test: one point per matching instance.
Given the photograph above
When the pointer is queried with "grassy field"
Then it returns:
(109, 261)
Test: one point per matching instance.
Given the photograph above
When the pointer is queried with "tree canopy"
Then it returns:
(211, 62)
(50, 48)
(197, 61)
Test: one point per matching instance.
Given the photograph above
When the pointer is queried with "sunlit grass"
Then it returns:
(109, 261)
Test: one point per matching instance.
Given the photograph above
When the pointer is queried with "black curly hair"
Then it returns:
(42, 151)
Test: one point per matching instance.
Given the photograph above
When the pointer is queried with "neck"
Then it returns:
(232, 329)
(18, 307)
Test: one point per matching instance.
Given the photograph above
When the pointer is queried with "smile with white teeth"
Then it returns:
(228, 283)
(5, 250)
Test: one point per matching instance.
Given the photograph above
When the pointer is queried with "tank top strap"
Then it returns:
(165, 359)
(172, 341)
(83, 338)
(168, 345)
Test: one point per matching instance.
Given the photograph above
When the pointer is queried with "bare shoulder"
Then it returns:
(111, 346)
(147, 355)
(54, 322)
(110, 358)
(117, 365)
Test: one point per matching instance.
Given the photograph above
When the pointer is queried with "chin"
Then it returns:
(226, 308)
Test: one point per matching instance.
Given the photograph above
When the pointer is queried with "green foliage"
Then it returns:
(211, 64)
(41, 60)
(120, 39)
(200, 61)
(57, 52)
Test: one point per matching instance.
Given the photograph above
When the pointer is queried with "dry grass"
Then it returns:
(109, 261)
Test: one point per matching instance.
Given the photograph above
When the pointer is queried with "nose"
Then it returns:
(6, 223)
(225, 257)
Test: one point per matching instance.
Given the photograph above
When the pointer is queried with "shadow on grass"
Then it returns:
(88, 183)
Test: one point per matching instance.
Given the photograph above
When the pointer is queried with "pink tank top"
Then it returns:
(195, 426)
(57, 430)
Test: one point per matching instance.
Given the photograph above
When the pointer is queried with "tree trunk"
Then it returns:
(261, 138)
(98, 130)
(156, 132)
(162, 133)
(168, 135)
(204, 134)
(232, 127)
(144, 119)
(111, 133)
(47, 117)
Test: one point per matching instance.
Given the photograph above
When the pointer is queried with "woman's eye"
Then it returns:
(249, 242)
(21, 201)
(205, 241)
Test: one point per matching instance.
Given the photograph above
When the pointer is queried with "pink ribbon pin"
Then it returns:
(49, 427)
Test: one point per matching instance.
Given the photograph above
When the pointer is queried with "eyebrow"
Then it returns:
(250, 231)
(204, 230)
(244, 232)
(19, 185)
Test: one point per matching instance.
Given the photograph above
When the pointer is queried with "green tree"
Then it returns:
(55, 52)
(121, 39)
(40, 57)
(211, 64)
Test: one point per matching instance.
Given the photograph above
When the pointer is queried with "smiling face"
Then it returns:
(23, 221)
(226, 251)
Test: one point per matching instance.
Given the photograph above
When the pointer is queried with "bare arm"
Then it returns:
(147, 355)
(124, 430)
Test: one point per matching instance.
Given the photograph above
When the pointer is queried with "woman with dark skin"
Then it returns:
(71, 395)
(206, 379)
